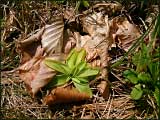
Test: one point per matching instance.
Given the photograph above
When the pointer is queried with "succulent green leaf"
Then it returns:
(131, 76)
(74, 71)
(80, 80)
(58, 66)
(75, 57)
(144, 77)
(72, 57)
(82, 65)
(83, 88)
(81, 56)
(88, 72)
(157, 95)
(136, 92)
(127, 72)
(58, 80)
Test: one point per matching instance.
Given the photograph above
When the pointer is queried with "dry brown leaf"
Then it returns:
(69, 41)
(33, 71)
(69, 14)
(52, 38)
(28, 70)
(97, 26)
(64, 95)
(97, 44)
(36, 74)
(123, 32)
(28, 47)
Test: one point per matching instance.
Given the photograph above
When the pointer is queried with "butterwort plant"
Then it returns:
(75, 70)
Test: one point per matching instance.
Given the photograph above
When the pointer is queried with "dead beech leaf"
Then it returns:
(69, 41)
(52, 38)
(35, 73)
(48, 40)
(97, 25)
(28, 70)
(124, 33)
(97, 44)
(64, 95)
(28, 47)
(69, 14)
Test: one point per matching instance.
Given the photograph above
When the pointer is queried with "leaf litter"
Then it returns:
(95, 31)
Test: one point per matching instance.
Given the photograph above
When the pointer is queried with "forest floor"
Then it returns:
(21, 20)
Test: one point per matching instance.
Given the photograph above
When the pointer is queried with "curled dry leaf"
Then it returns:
(33, 71)
(64, 95)
(97, 25)
(97, 44)
(123, 32)
(69, 42)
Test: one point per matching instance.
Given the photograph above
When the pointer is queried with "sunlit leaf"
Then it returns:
(72, 57)
(83, 88)
(81, 56)
(82, 65)
(58, 80)
(80, 80)
(52, 38)
(88, 72)
(137, 92)
(74, 71)
(58, 66)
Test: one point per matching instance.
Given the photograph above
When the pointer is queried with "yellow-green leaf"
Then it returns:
(88, 72)
(137, 92)
(83, 88)
(72, 57)
(157, 95)
(80, 80)
(58, 80)
(80, 56)
(58, 66)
